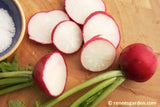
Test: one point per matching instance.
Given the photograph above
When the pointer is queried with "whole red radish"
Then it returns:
(138, 62)
(50, 74)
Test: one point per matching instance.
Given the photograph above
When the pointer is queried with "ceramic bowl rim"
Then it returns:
(21, 34)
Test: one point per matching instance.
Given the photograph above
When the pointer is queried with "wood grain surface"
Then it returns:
(138, 20)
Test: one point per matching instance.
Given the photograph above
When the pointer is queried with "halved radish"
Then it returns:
(41, 24)
(50, 74)
(67, 37)
(79, 10)
(98, 54)
(100, 23)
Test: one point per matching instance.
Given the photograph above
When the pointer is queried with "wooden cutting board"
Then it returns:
(139, 21)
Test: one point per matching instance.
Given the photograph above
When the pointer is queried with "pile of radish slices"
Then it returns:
(84, 21)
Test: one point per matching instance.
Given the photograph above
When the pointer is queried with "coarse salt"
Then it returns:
(7, 30)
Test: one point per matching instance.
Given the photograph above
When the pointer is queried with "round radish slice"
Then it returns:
(50, 74)
(100, 23)
(40, 25)
(67, 37)
(79, 10)
(98, 54)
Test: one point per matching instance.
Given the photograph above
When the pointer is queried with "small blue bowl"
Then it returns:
(16, 12)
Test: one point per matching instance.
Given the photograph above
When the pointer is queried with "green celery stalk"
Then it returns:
(93, 91)
(101, 77)
(107, 91)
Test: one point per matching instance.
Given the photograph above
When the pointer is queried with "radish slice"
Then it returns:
(67, 37)
(100, 23)
(79, 10)
(40, 25)
(98, 54)
(50, 74)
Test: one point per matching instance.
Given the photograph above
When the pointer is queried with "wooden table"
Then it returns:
(139, 21)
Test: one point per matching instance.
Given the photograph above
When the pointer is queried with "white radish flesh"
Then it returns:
(67, 37)
(41, 25)
(55, 74)
(100, 23)
(79, 10)
(98, 54)
(50, 74)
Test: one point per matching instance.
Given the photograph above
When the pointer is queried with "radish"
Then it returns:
(41, 24)
(98, 54)
(50, 74)
(79, 10)
(67, 37)
(138, 62)
(100, 23)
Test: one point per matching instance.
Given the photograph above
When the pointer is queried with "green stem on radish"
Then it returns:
(87, 83)
(15, 74)
(93, 91)
(87, 102)
(108, 90)
(14, 80)
(16, 87)
(2, 86)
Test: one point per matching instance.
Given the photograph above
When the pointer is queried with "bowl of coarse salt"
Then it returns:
(12, 27)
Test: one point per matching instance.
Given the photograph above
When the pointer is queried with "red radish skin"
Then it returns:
(45, 12)
(116, 38)
(103, 8)
(96, 38)
(78, 29)
(38, 74)
(138, 62)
